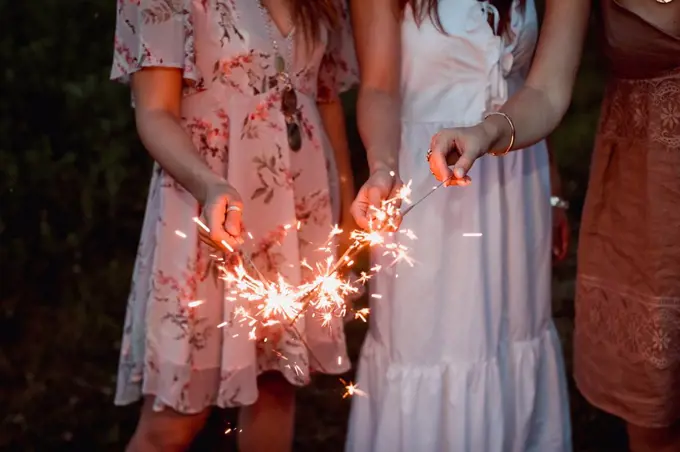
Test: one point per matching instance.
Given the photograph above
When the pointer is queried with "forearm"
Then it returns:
(538, 107)
(379, 122)
(333, 118)
(170, 145)
(534, 113)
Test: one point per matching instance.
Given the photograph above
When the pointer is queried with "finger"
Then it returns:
(438, 165)
(203, 237)
(234, 218)
(452, 158)
(394, 193)
(464, 182)
(359, 209)
(376, 195)
(215, 215)
(204, 230)
(395, 223)
(463, 165)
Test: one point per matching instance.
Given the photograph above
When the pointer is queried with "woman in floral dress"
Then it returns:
(237, 101)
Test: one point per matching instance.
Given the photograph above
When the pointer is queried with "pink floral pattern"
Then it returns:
(172, 349)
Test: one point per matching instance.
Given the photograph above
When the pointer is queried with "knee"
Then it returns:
(149, 437)
(166, 431)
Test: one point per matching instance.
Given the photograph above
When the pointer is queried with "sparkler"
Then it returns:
(275, 303)
(435, 188)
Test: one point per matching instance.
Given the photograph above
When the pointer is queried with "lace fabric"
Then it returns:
(627, 339)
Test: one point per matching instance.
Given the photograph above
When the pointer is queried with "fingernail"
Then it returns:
(458, 172)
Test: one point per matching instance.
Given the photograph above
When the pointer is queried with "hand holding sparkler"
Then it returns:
(453, 151)
(222, 216)
(382, 185)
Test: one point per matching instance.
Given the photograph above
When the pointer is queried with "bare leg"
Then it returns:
(165, 431)
(267, 426)
(641, 439)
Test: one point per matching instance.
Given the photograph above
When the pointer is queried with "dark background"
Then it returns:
(73, 184)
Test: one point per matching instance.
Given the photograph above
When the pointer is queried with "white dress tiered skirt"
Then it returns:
(462, 354)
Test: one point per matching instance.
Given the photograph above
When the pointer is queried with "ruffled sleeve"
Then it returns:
(154, 33)
(338, 71)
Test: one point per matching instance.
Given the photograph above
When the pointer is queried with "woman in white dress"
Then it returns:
(462, 354)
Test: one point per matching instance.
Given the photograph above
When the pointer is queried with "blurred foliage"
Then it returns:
(73, 184)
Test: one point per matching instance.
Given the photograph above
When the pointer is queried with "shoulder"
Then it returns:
(153, 33)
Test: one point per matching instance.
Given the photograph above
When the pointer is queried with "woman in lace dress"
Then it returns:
(237, 101)
(627, 338)
(462, 354)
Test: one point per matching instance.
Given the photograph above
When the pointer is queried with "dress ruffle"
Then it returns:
(492, 404)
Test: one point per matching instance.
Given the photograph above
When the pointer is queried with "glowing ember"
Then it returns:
(351, 389)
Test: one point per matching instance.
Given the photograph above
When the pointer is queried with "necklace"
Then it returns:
(289, 101)
(279, 61)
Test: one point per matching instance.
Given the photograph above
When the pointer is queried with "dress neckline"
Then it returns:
(647, 23)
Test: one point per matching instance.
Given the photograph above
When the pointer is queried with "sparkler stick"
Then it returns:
(244, 255)
(249, 260)
(410, 208)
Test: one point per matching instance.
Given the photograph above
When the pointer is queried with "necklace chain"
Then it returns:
(281, 64)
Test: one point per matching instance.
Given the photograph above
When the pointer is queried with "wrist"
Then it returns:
(383, 166)
(207, 185)
(494, 127)
(379, 159)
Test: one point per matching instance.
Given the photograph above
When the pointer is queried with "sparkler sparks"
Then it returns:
(351, 389)
(270, 303)
(264, 304)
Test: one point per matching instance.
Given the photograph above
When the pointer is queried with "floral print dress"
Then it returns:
(181, 342)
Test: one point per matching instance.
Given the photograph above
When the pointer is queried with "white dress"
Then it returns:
(462, 354)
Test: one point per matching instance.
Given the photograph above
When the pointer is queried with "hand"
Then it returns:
(458, 147)
(560, 234)
(381, 185)
(222, 213)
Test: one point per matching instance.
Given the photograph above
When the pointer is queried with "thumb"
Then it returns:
(214, 214)
(375, 196)
(464, 164)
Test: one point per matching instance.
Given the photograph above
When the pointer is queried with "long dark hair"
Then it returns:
(312, 15)
(424, 8)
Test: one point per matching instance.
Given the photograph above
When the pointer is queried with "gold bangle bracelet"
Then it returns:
(512, 133)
